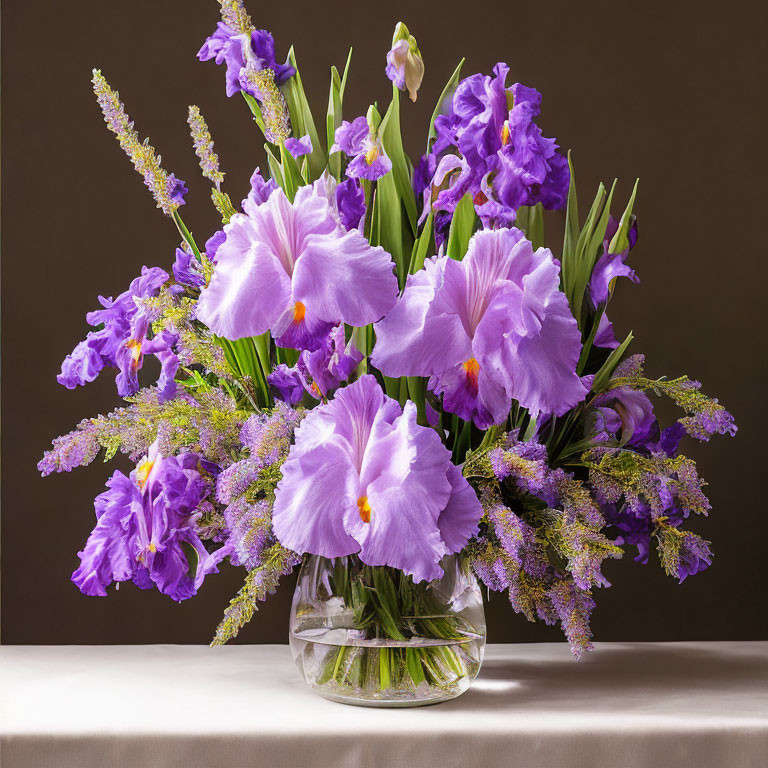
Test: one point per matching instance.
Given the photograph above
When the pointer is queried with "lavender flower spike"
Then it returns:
(405, 67)
(363, 477)
(293, 269)
(167, 190)
(201, 137)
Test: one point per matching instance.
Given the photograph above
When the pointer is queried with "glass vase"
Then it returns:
(369, 635)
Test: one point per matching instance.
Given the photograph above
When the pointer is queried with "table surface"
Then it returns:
(625, 705)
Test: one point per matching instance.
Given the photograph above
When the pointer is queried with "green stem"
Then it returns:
(186, 234)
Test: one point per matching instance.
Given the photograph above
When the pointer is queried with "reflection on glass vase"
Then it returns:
(369, 635)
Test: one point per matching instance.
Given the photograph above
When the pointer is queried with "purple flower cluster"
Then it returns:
(359, 142)
(75, 449)
(248, 515)
(146, 529)
(489, 146)
(625, 416)
(121, 340)
(244, 54)
(317, 372)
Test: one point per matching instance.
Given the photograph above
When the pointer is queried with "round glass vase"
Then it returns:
(370, 636)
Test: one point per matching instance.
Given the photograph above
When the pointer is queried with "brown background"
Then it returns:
(671, 92)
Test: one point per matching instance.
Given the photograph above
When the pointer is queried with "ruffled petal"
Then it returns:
(345, 279)
(421, 337)
(316, 489)
(249, 289)
(458, 522)
(404, 480)
(539, 371)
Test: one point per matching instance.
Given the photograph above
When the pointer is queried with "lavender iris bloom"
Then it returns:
(317, 372)
(293, 270)
(120, 341)
(146, 529)
(369, 161)
(503, 160)
(363, 477)
(488, 329)
(239, 53)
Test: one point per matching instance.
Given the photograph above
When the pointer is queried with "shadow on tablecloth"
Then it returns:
(631, 676)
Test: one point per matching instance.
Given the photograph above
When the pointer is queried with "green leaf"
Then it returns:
(275, 168)
(392, 387)
(263, 345)
(413, 664)
(302, 121)
(603, 376)
(291, 173)
(582, 256)
(444, 100)
(568, 269)
(590, 340)
(620, 240)
(333, 116)
(193, 559)
(595, 244)
(392, 141)
(255, 109)
(243, 359)
(530, 430)
(393, 233)
(462, 227)
(424, 244)
(417, 391)
(531, 221)
(385, 680)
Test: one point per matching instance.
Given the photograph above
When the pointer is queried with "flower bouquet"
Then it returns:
(377, 370)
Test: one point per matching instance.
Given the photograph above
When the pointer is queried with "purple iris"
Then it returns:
(611, 265)
(121, 340)
(317, 372)
(363, 477)
(501, 158)
(626, 416)
(299, 147)
(146, 529)
(293, 270)
(187, 270)
(242, 54)
(488, 329)
(355, 139)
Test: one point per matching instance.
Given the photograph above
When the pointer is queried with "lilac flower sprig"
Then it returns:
(167, 190)
(203, 143)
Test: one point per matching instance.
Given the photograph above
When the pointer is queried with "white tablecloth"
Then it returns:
(626, 705)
